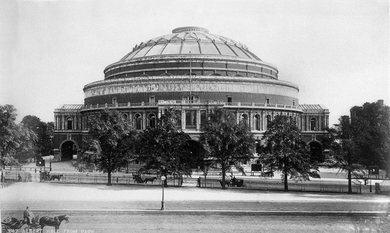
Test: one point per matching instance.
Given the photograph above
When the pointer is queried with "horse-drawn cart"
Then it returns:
(45, 176)
(233, 182)
(37, 224)
(15, 225)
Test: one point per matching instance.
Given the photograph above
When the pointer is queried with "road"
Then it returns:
(205, 221)
(124, 208)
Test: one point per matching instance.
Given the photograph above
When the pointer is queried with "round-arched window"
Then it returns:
(152, 120)
(313, 124)
(257, 122)
(138, 121)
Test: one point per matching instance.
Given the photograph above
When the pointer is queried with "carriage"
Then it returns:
(233, 182)
(37, 223)
(45, 176)
(267, 174)
(137, 178)
(15, 225)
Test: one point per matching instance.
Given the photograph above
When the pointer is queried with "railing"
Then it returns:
(269, 184)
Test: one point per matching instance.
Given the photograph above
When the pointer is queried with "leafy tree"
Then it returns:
(284, 151)
(44, 132)
(371, 134)
(165, 147)
(344, 150)
(14, 138)
(110, 134)
(227, 141)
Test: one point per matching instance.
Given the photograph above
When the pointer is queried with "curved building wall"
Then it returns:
(183, 64)
(137, 90)
(192, 71)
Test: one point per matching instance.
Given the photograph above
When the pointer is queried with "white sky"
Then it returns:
(337, 52)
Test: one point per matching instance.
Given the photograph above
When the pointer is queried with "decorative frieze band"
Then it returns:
(185, 86)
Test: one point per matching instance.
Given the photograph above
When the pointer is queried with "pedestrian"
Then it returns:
(199, 182)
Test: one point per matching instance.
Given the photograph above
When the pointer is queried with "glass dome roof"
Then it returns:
(190, 40)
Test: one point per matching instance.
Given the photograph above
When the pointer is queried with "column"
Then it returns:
(307, 123)
(198, 119)
(63, 122)
(326, 121)
(56, 122)
(262, 121)
(143, 120)
(183, 119)
(74, 123)
(250, 120)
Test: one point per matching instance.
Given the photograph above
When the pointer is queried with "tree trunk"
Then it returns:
(349, 174)
(349, 182)
(109, 178)
(223, 176)
(285, 174)
(285, 181)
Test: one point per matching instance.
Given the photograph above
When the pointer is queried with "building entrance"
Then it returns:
(68, 149)
(316, 152)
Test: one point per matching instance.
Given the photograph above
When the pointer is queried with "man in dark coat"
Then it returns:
(28, 216)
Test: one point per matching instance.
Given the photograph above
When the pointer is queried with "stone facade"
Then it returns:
(207, 71)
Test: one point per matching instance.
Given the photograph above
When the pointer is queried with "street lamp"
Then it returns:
(162, 201)
(51, 149)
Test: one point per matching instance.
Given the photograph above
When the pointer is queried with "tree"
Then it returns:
(371, 134)
(14, 138)
(165, 147)
(284, 151)
(344, 150)
(44, 132)
(109, 133)
(226, 140)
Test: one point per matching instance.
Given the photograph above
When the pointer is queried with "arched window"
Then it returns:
(178, 118)
(69, 124)
(268, 120)
(190, 119)
(257, 122)
(313, 124)
(244, 119)
(138, 121)
(152, 120)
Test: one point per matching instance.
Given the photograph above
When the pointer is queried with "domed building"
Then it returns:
(192, 71)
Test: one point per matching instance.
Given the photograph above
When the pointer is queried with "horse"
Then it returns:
(58, 177)
(138, 179)
(151, 179)
(227, 183)
(53, 222)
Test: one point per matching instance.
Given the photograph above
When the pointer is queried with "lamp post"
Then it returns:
(162, 201)
(51, 148)
(370, 187)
